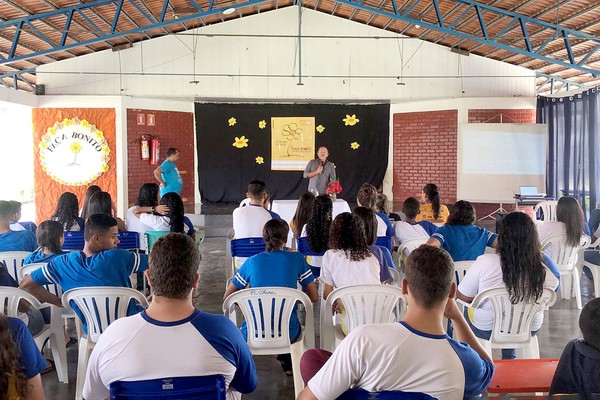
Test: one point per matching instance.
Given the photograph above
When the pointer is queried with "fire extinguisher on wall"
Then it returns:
(155, 150)
(145, 147)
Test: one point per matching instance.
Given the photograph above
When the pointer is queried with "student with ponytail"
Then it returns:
(276, 267)
(432, 209)
(169, 215)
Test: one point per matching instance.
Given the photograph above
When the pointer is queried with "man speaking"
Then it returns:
(319, 171)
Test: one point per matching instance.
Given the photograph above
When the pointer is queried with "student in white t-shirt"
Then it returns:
(171, 218)
(249, 221)
(348, 260)
(147, 202)
(411, 229)
(570, 222)
(414, 355)
(518, 265)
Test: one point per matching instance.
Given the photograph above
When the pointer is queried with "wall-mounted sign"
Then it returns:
(74, 152)
(292, 142)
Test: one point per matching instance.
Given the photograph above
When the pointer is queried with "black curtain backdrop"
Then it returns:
(573, 151)
(224, 170)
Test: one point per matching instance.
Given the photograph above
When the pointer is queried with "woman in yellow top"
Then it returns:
(431, 208)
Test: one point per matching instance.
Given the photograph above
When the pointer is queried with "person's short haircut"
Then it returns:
(275, 233)
(411, 207)
(429, 273)
(5, 209)
(172, 151)
(366, 195)
(462, 213)
(98, 224)
(256, 189)
(382, 203)
(15, 206)
(589, 323)
(173, 265)
(48, 235)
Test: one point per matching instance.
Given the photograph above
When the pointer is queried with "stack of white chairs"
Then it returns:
(548, 209)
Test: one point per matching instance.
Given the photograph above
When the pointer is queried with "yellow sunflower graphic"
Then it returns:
(350, 120)
(240, 142)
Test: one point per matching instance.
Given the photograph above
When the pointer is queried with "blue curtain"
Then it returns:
(573, 146)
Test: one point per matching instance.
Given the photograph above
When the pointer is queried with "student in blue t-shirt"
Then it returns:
(21, 362)
(99, 264)
(13, 240)
(168, 175)
(276, 267)
(460, 237)
(50, 236)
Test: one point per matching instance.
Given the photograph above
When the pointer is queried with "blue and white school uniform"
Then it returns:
(464, 242)
(250, 220)
(106, 268)
(141, 348)
(396, 357)
(38, 256)
(30, 357)
(18, 241)
(405, 231)
(275, 268)
(163, 223)
(384, 225)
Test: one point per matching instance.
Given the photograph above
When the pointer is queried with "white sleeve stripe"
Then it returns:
(240, 279)
(47, 274)
(305, 275)
(438, 236)
(136, 262)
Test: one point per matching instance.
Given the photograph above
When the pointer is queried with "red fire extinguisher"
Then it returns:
(155, 146)
(145, 147)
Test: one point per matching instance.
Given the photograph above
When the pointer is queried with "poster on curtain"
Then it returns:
(292, 142)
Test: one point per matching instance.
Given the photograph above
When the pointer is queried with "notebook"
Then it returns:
(529, 191)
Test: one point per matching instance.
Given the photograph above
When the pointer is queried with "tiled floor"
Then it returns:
(559, 327)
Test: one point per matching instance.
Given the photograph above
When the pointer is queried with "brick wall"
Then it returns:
(506, 116)
(173, 129)
(425, 148)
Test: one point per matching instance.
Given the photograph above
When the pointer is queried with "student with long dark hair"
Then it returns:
(460, 236)
(91, 190)
(382, 254)
(316, 230)
(432, 208)
(50, 238)
(276, 267)
(518, 265)
(348, 260)
(66, 213)
(303, 212)
(170, 218)
(21, 363)
(101, 203)
(569, 222)
(147, 201)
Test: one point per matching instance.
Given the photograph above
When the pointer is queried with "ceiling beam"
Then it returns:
(484, 37)
(78, 11)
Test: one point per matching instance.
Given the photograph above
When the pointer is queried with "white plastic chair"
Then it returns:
(100, 306)
(396, 281)
(460, 270)
(594, 269)
(13, 261)
(565, 257)
(513, 322)
(548, 208)
(229, 265)
(53, 332)
(267, 311)
(406, 248)
(55, 290)
(363, 304)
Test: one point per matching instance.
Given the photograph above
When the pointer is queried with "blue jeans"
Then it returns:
(507, 354)
(594, 220)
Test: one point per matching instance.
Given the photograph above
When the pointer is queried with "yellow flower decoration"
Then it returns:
(84, 123)
(259, 160)
(75, 147)
(240, 142)
(351, 120)
(262, 124)
(232, 121)
(43, 144)
(320, 128)
(291, 131)
(104, 167)
(106, 150)
(354, 145)
(52, 130)
(67, 122)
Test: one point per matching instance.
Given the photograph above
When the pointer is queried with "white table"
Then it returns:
(287, 208)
